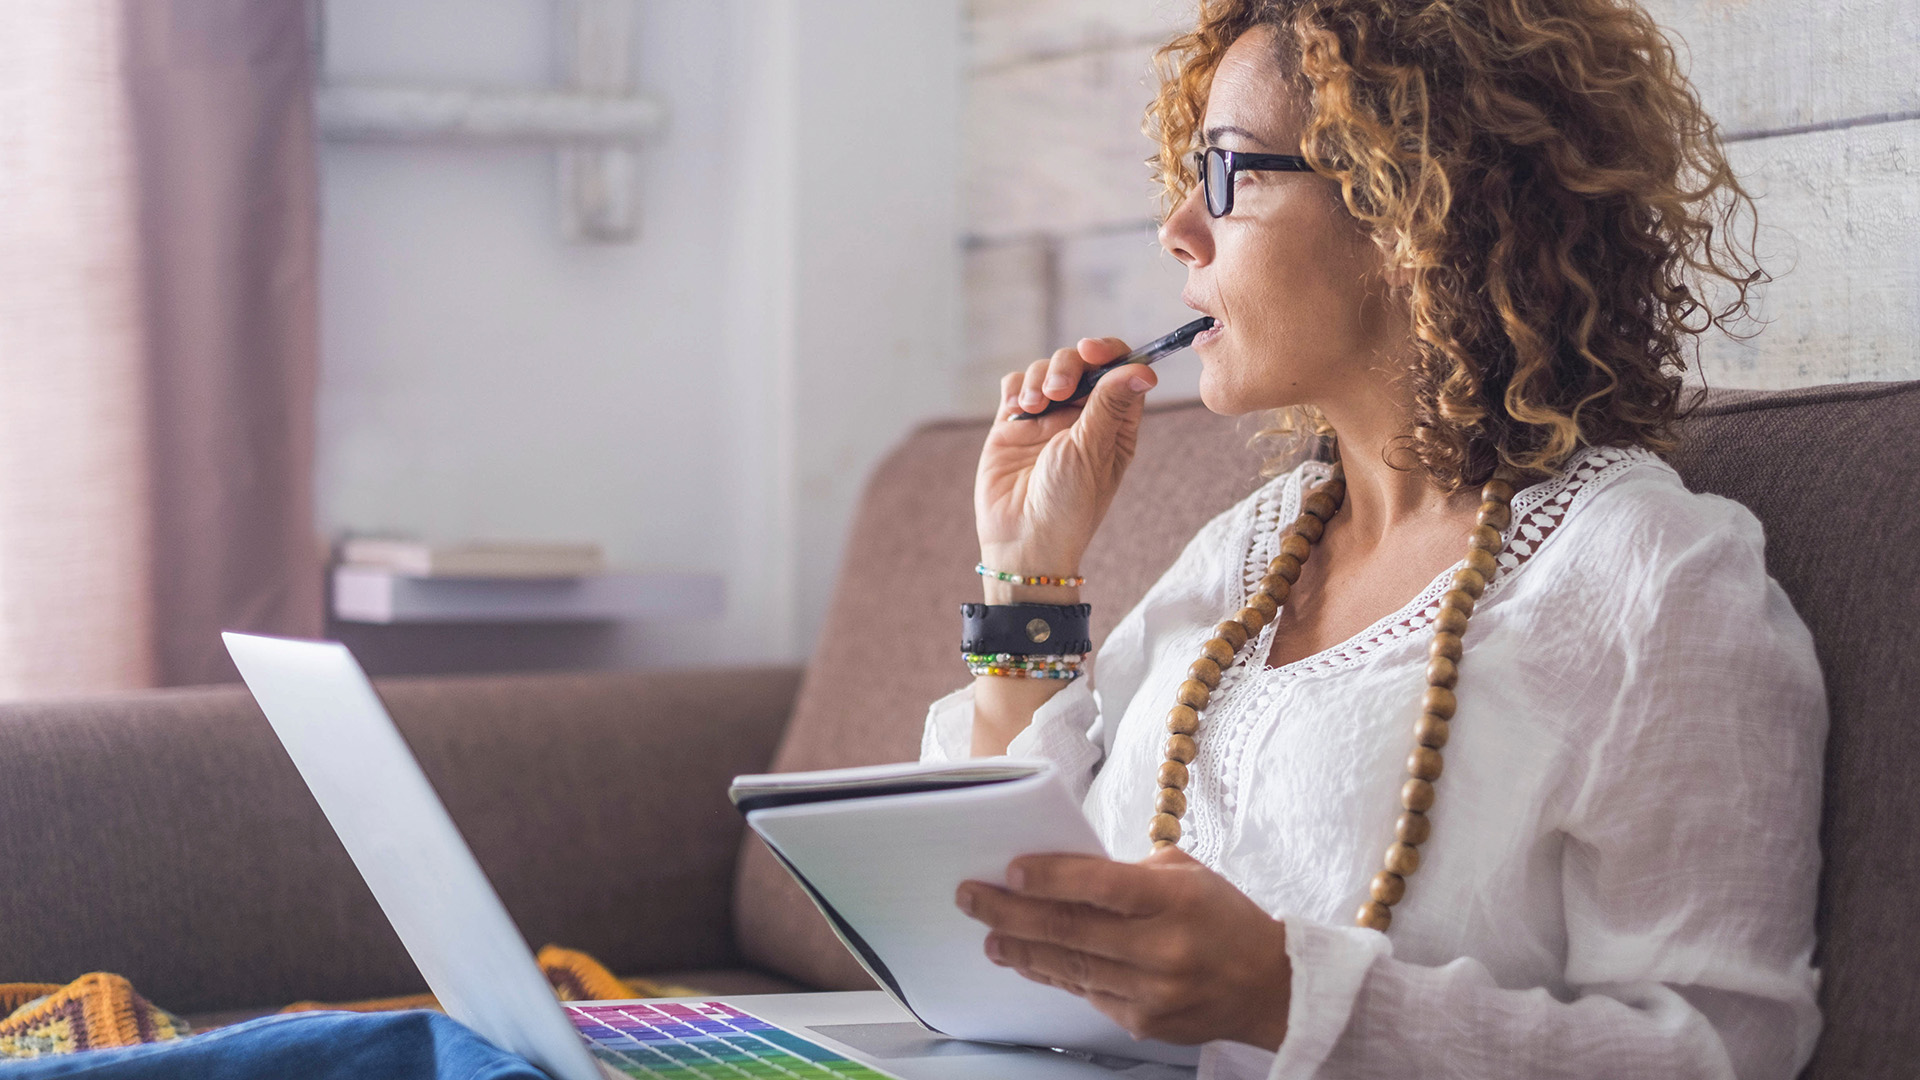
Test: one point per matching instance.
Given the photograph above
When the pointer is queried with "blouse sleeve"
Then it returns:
(1689, 861)
(1065, 731)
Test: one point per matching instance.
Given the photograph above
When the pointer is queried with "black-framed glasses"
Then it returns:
(1218, 167)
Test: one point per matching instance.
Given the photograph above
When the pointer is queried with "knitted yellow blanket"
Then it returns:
(99, 1010)
(91, 1012)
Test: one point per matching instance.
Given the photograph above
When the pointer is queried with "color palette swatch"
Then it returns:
(706, 1040)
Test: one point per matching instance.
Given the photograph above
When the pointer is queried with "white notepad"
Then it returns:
(882, 851)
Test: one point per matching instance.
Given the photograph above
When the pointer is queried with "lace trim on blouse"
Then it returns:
(1245, 696)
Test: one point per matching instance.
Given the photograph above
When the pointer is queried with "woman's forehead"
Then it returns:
(1251, 105)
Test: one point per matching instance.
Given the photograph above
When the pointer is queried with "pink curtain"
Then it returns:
(157, 338)
(75, 600)
(222, 94)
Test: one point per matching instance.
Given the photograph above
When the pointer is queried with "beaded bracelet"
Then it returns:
(1032, 579)
(1013, 665)
(1018, 660)
(1023, 673)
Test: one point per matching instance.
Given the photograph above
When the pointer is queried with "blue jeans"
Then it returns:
(415, 1045)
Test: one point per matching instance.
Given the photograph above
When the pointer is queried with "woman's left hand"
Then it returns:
(1165, 946)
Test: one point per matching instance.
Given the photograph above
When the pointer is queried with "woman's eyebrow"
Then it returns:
(1214, 133)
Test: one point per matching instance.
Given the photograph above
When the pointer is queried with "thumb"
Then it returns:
(1117, 400)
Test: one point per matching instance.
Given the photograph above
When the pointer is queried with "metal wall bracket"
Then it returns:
(594, 122)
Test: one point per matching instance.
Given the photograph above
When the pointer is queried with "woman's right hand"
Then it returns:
(1044, 485)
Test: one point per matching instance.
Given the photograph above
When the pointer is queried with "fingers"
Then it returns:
(1074, 926)
(1069, 969)
(1146, 1005)
(1010, 384)
(1122, 888)
(1057, 378)
(1068, 366)
(1063, 374)
(1098, 352)
(1052, 379)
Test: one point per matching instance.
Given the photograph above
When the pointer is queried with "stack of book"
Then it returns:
(388, 580)
(518, 559)
(379, 580)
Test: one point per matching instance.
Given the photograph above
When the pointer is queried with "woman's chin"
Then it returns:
(1226, 393)
(1224, 399)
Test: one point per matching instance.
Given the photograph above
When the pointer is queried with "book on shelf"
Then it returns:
(473, 559)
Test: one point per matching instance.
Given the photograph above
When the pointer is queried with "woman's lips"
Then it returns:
(1207, 335)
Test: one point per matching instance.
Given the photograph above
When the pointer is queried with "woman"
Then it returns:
(1480, 281)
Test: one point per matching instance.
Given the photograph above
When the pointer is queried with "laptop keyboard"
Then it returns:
(707, 1040)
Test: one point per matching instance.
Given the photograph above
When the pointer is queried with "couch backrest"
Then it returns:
(1832, 472)
(166, 836)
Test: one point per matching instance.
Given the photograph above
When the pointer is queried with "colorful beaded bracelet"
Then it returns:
(1024, 659)
(1032, 579)
(1024, 664)
(1023, 673)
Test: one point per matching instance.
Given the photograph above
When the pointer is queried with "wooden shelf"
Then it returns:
(366, 595)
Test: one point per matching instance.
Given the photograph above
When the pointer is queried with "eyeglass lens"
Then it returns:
(1217, 182)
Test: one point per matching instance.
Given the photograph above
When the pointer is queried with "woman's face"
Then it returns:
(1296, 284)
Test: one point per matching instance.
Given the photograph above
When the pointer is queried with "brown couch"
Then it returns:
(165, 836)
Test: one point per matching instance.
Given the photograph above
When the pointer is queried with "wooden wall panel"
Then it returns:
(1840, 231)
(1054, 146)
(1819, 103)
(1002, 32)
(1763, 65)
(1121, 284)
(1009, 313)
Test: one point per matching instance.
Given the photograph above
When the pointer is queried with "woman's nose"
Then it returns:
(1187, 233)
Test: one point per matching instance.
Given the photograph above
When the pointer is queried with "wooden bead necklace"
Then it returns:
(1436, 705)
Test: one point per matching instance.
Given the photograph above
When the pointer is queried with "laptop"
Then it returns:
(393, 825)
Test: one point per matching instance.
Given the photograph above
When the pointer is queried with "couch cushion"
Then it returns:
(166, 836)
(1834, 474)
(891, 641)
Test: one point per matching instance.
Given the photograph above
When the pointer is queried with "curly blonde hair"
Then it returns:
(1546, 174)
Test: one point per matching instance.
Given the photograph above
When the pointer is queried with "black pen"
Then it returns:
(1153, 350)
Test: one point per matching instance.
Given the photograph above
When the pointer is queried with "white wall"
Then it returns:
(869, 121)
(708, 398)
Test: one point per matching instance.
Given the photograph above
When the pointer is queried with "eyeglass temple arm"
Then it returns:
(1273, 162)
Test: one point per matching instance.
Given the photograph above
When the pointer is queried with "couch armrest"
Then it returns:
(166, 836)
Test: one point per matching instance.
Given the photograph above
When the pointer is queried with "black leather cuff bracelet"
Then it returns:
(1025, 629)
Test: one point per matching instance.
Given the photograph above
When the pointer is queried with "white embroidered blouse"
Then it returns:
(1621, 876)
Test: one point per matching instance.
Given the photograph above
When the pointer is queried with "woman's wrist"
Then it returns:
(1271, 997)
(1027, 564)
(1003, 708)
(1004, 705)
(1006, 592)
